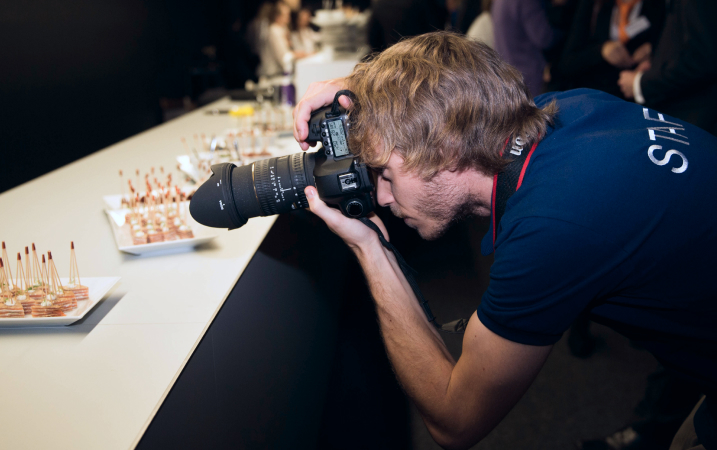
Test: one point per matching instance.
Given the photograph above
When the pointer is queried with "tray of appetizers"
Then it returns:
(155, 217)
(98, 287)
(35, 295)
(139, 231)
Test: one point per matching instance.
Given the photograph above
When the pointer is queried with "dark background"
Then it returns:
(77, 76)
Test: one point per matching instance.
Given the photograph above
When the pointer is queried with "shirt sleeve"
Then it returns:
(637, 90)
(545, 273)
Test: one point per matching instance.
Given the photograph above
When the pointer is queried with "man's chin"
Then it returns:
(431, 233)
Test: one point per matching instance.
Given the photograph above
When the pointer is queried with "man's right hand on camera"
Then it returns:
(318, 95)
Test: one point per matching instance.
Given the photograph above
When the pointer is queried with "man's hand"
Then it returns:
(617, 55)
(642, 53)
(627, 77)
(318, 95)
(352, 231)
(643, 66)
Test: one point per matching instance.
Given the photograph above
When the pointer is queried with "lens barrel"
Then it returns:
(280, 182)
(233, 195)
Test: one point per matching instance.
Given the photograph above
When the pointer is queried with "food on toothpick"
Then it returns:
(36, 288)
(74, 284)
(9, 305)
(22, 285)
(64, 298)
(6, 259)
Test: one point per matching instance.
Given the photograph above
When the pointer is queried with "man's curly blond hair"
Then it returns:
(441, 101)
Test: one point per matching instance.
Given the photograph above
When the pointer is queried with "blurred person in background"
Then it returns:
(257, 31)
(681, 78)
(277, 56)
(482, 27)
(522, 33)
(303, 37)
(606, 37)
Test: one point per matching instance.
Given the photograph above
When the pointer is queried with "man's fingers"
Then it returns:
(317, 96)
(352, 231)
(345, 101)
(318, 207)
(302, 114)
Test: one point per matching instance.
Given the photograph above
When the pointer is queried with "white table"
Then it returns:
(98, 384)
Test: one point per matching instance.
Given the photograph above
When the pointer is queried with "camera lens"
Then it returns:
(233, 195)
(280, 182)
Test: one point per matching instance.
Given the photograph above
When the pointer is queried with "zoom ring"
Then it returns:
(262, 184)
(299, 177)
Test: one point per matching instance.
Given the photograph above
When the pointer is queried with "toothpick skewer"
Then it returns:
(4, 285)
(74, 284)
(28, 270)
(21, 281)
(22, 284)
(52, 277)
(37, 279)
(6, 259)
(65, 299)
(9, 307)
(45, 278)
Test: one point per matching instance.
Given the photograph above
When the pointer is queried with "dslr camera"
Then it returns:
(234, 194)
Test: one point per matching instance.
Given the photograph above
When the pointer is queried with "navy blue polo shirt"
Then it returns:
(617, 214)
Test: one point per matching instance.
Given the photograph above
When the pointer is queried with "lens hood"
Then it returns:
(213, 203)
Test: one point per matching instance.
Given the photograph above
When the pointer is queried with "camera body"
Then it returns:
(232, 194)
(339, 178)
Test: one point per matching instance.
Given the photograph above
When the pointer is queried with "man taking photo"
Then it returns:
(595, 203)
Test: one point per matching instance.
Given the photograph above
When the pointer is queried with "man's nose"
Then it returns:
(383, 192)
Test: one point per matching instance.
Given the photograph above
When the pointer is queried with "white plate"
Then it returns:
(99, 287)
(123, 238)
